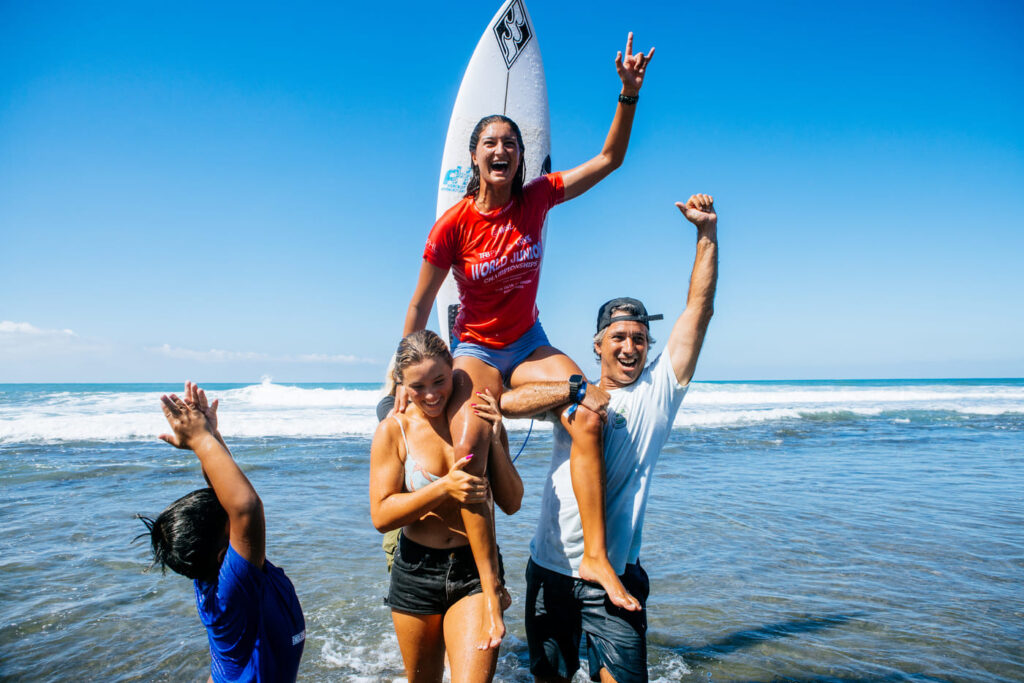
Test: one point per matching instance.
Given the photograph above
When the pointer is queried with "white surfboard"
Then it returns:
(505, 76)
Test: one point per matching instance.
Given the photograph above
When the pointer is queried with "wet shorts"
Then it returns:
(560, 609)
(507, 358)
(430, 580)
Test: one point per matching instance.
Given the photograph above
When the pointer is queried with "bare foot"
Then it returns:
(494, 624)
(595, 571)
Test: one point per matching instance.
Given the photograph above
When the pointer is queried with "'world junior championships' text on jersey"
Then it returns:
(495, 258)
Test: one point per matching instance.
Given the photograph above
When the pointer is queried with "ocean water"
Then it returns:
(797, 531)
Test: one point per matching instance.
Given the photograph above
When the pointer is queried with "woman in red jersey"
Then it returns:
(491, 240)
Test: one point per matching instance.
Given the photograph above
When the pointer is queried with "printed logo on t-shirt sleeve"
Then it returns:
(437, 249)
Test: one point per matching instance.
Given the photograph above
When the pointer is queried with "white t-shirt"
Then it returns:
(639, 422)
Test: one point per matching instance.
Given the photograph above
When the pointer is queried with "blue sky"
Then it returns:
(224, 191)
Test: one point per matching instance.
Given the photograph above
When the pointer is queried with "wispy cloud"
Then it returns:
(211, 356)
(29, 353)
(222, 356)
(25, 340)
(342, 359)
(11, 329)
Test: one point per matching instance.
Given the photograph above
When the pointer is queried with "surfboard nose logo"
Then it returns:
(513, 32)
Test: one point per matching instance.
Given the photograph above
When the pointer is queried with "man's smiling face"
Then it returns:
(623, 352)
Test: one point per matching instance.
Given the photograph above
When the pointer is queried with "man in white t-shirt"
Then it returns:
(642, 403)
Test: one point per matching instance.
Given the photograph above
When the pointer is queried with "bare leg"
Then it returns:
(471, 434)
(586, 467)
(421, 639)
(464, 620)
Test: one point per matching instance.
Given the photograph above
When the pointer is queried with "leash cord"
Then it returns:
(525, 441)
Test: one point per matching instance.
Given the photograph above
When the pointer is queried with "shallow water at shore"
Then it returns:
(796, 531)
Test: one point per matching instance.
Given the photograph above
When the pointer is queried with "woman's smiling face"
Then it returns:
(497, 154)
(428, 384)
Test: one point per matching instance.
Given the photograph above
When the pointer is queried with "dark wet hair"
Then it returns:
(418, 346)
(474, 139)
(188, 536)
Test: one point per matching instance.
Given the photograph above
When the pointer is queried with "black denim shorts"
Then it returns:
(428, 580)
(560, 609)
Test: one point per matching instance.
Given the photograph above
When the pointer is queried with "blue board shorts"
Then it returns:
(560, 609)
(508, 358)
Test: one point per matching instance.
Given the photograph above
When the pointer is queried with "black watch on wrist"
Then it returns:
(577, 388)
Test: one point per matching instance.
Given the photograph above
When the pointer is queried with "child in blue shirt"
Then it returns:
(216, 536)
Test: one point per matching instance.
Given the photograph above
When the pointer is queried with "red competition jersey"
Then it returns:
(495, 258)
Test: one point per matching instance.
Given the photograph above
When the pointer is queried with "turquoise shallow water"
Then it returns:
(800, 531)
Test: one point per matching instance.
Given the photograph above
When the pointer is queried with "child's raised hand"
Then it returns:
(188, 422)
(195, 396)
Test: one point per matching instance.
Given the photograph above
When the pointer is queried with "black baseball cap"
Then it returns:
(604, 315)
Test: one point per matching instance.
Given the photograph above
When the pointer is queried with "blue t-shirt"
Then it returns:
(253, 620)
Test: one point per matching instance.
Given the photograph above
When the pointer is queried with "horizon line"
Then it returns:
(696, 381)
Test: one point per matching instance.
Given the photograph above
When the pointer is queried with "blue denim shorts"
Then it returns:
(560, 609)
(508, 358)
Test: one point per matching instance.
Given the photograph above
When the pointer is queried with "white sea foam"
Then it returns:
(775, 394)
(672, 668)
(261, 410)
(712, 405)
(269, 395)
(276, 410)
